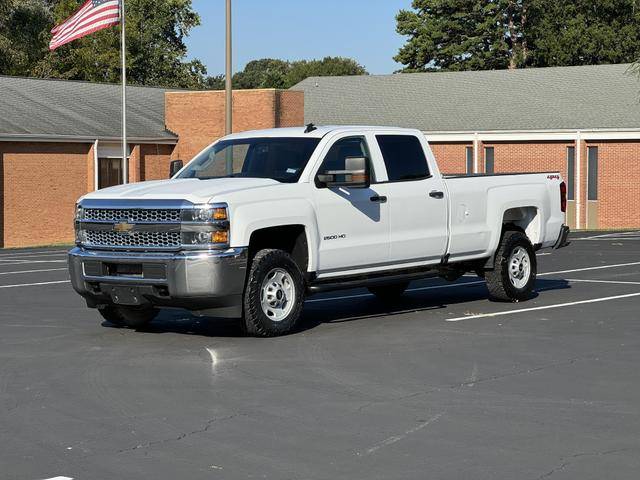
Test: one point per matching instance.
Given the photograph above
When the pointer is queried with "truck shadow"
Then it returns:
(353, 309)
(340, 307)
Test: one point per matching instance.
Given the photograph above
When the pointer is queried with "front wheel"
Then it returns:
(514, 274)
(274, 294)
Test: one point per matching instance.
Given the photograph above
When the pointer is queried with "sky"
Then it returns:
(294, 30)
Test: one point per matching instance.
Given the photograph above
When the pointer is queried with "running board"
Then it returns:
(343, 283)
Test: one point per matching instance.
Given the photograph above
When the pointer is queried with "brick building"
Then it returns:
(581, 121)
(60, 140)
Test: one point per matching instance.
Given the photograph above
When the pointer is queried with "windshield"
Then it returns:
(281, 159)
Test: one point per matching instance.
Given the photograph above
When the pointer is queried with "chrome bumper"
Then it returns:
(197, 281)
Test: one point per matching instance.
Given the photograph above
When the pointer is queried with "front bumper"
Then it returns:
(198, 281)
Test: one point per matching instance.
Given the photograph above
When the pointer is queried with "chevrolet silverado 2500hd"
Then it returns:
(259, 220)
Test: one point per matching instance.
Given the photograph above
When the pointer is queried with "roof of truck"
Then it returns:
(319, 132)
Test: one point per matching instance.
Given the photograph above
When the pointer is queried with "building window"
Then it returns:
(109, 172)
(571, 172)
(469, 152)
(109, 164)
(489, 159)
(592, 173)
(404, 157)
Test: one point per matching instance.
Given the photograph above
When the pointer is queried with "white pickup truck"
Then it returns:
(260, 220)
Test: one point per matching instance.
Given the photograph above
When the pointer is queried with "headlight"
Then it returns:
(209, 238)
(79, 212)
(208, 214)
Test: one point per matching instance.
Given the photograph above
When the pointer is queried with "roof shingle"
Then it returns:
(558, 98)
(56, 108)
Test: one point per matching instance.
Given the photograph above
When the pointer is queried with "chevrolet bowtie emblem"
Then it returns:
(123, 227)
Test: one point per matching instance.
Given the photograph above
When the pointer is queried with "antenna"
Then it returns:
(310, 128)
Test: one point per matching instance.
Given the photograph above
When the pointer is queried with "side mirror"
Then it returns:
(175, 167)
(355, 175)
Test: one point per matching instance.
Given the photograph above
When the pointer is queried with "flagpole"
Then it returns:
(229, 79)
(123, 53)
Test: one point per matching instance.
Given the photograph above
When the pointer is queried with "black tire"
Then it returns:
(256, 321)
(112, 315)
(129, 316)
(499, 281)
(389, 293)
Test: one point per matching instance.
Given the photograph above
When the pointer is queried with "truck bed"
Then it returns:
(480, 203)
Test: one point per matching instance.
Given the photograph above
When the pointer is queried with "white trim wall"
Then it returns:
(574, 136)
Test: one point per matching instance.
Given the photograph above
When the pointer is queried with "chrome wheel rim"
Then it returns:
(277, 295)
(519, 267)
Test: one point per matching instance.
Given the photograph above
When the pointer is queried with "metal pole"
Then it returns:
(228, 79)
(123, 55)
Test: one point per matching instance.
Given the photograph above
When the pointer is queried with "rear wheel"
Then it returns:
(274, 294)
(514, 274)
(389, 293)
(129, 316)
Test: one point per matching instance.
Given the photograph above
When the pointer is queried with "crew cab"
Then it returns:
(260, 220)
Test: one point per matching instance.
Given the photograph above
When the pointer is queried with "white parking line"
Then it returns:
(615, 282)
(544, 307)
(454, 285)
(31, 254)
(34, 271)
(600, 267)
(34, 284)
(59, 478)
(611, 235)
(27, 262)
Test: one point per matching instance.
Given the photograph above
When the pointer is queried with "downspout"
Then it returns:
(476, 146)
(578, 179)
(95, 165)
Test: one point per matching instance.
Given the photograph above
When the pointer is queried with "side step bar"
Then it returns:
(343, 283)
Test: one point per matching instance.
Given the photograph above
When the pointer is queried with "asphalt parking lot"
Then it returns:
(445, 385)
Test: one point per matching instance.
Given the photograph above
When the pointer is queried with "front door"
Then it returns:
(353, 222)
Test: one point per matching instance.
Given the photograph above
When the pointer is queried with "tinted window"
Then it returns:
(489, 159)
(281, 159)
(343, 149)
(592, 177)
(571, 172)
(403, 156)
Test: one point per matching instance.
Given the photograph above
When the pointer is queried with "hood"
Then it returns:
(192, 190)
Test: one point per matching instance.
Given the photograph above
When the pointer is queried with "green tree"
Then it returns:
(156, 52)
(581, 32)
(328, 66)
(23, 39)
(274, 73)
(453, 35)
(494, 34)
(263, 73)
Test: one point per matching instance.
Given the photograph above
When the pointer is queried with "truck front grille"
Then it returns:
(133, 215)
(95, 238)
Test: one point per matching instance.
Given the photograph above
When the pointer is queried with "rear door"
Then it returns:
(353, 222)
(417, 201)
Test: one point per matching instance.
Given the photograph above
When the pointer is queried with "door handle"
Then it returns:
(378, 199)
(436, 194)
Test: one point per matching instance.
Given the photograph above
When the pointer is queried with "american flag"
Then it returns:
(94, 15)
